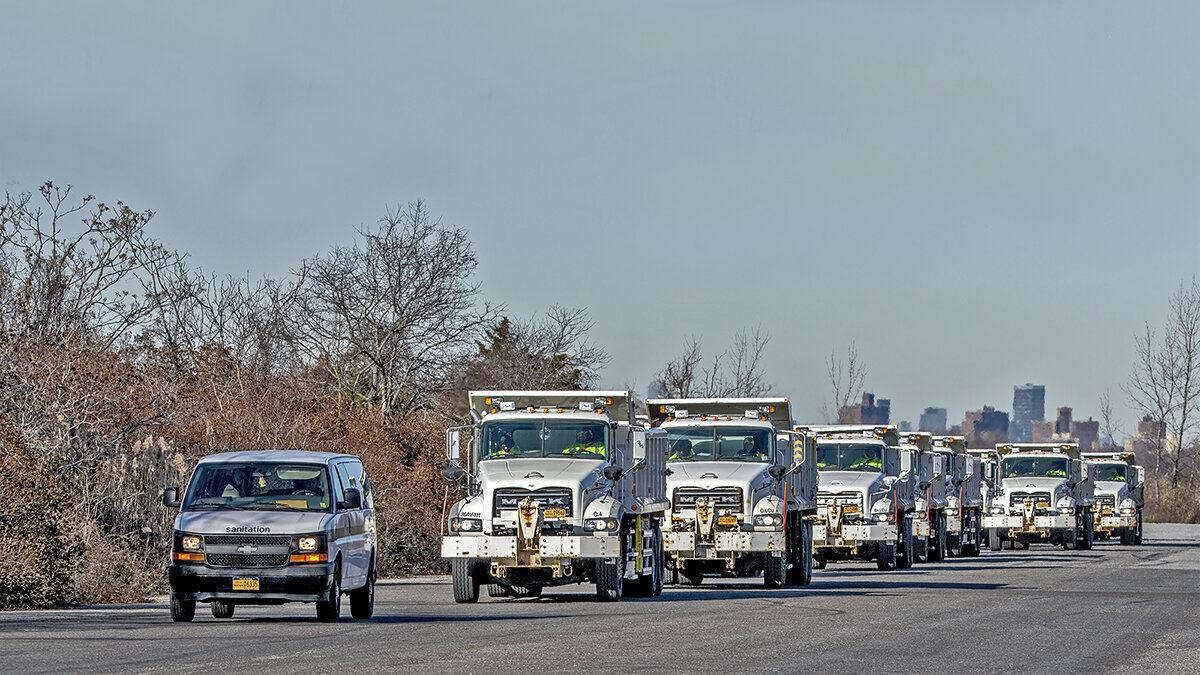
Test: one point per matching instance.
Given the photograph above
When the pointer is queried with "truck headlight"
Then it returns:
(997, 510)
(1066, 509)
(466, 525)
(600, 524)
(1128, 511)
(191, 542)
(768, 520)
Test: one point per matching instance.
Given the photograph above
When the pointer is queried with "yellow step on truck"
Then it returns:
(864, 497)
(742, 489)
(1119, 499)
(1044, 493)
(561, 487)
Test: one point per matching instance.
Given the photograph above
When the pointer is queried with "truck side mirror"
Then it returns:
(170, 497)
(452, 473)
(957, 481)
(776, 471)
(612, 473)
(352, 499)
(452, 445)
(924, 485)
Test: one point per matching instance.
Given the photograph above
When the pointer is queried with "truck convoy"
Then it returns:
(1119, 499)
(862, 501)
(927, 520)
(964, 511)
(742, 488)
(562, 487)
(1043, 493)
(985, 466)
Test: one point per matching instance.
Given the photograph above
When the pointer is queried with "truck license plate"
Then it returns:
(555, 513)
(727, 520)
(241, 584)
(849, 509)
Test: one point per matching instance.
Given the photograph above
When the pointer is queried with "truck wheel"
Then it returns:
(937, 538)
(672, 577)
(660, 562)
(886, 557)
(1084, 543)
(1137, 538)
(222, 610)
(794, 574)
(921, 549)
(819, 562)
(806, 556)
(182, 611)
(497, 591)
(609, 580)
(331, 610)
(1127, 536)
(774, 570)
(904, 551)
(953, 545)
(464, 573)
(362, 600)
(995, 542)
(1068, 539)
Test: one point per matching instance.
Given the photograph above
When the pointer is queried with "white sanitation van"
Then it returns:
(269, 527)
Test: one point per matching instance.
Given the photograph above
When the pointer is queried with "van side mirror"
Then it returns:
(170, 497)
(352, 499)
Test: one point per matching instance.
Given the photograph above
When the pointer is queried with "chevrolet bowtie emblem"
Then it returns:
(247, 548)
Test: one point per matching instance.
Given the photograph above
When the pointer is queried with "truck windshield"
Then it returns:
(1110, 472)
(514, 439)
(720, 444)
(260, 485)
(1035, 467)
(849, 457)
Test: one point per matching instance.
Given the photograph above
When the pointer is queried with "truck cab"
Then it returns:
(964, 508)
(1043, 494)
(862, 501)
(742, 490)
(1119, 499)
(275, 526)
(561, 487)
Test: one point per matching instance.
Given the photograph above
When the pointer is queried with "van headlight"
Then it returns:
(191, 542)
(466, 525)
(308, 542)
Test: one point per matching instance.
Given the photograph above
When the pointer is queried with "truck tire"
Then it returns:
(774, 570)
(182, 611)
(1089, 533)
(330, 610)
(794, 556)
(806, 556)
(222, 610)
(921, 549)
(904, 551)
(660, 560)
(1137, 537)
(497, 591)
(465, 574)
(937, 538)
(885, 559)
(1127, 536)
(972, 549)
(609, 579)
(995, 542)
(672, 577)
(362, 600)
(953, 545)
(1068, 539)
(819, 562)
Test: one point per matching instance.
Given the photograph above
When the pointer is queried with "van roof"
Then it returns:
(302, 456)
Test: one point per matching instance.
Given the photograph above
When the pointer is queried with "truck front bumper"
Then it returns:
(920, 528)
(1117, 522)
(294, 583)
(851, 535)
(549, 547)
(1037, 523)
(725, 542)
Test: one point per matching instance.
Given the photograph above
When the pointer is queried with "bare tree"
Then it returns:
(1108, 425)
(738, 371)
(384, 319)
(846, 380)
(1165, 382)
(680, 377)
(746, 376)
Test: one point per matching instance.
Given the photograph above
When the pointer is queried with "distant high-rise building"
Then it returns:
(904, 426)
(1065, 429)
(1029, 405)
(933, 420)
(870, 412)
(985, 428)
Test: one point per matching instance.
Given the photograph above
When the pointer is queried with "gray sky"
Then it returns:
(977, 194)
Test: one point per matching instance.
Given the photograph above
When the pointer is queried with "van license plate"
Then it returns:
(727, 520)
(555, 513)
(245, 584)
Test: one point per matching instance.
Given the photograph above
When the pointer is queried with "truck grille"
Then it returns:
(509, 499)
(1018, 498)
(725, 498)
(833, 498)
(253, 539)
(247, 560)
(1106, 501)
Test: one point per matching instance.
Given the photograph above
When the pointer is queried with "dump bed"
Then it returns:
(774, 410)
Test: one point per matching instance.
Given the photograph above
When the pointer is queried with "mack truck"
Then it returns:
(985, 465)
(1119, 498)
(927, 520)
(563, 487)
(742, 488)
(864, 497)
(1043, 493)
(964, 511)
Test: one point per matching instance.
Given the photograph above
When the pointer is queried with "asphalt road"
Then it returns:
(1041, 610)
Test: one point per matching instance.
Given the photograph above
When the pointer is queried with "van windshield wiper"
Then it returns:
(214, 506)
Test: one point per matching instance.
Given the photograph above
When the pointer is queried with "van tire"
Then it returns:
(182, 611)
(466, 579)
(222, 610)
(330, 610)
(362, 600)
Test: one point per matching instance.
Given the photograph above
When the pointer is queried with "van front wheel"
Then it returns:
(331, 610)
(362, 600)
(182, 611)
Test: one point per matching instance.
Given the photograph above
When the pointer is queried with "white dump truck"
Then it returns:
(1119, 498)
(742, 487)
(863, 500)
(561, 488)
(985, 464)
(1043, 494)
(964, 511)
(925, 521)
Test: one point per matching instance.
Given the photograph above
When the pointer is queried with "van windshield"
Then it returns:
(259, 485)
(522, 439)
